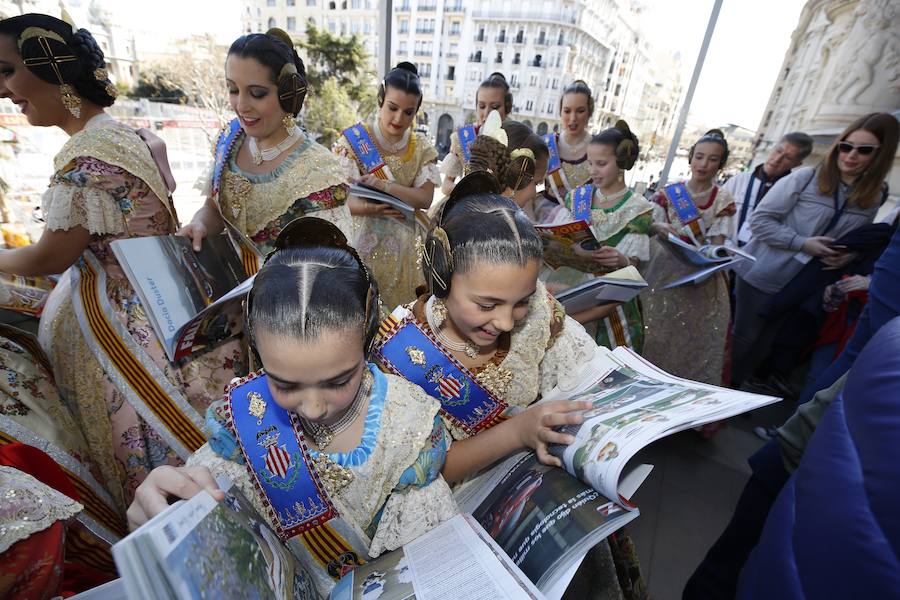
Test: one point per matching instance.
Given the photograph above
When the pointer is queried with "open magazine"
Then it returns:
(369, 193)
(200, 548)
(569, 245)
(706, 260)
(192, 299)
(618, 286)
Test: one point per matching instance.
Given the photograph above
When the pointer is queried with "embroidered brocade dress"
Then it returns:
(310, 182)
(107, 183)
(624, 226)
(386, 245)
(397, 492)
(686, 327)
(546, 349)
(576, 170)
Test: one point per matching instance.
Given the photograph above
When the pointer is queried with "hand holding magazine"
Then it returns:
(569, 245)
(373, 195)
(707, 259)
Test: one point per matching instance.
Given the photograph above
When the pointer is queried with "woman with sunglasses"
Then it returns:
(799, 220)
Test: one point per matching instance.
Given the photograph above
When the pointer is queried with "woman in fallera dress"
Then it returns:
(135, 408)
(266, 170)
(570, 167)
(686, 327)
(492, 95)
(620, 220)
(389, 156)
(376, 442)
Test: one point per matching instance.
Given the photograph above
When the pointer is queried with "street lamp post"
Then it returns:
(689, 96)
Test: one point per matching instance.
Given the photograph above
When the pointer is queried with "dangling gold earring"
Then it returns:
(70, 100)
(621, 177)
(289, 123)
(439, 310)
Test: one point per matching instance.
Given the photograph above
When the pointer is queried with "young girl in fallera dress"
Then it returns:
(686, 327)
(507, 337)
(389, 156)
(492, 95)
(621, 222)
(376, 442)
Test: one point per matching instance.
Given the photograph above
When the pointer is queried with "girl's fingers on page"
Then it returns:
(545, 457)
(204, 478)
(136, 516)
(551, 436)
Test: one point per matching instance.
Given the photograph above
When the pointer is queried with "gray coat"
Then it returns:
(791, 212)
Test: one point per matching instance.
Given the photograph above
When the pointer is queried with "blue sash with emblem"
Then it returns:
(223, 149)
(366, 151)
(582, 198)
(553, 163)
(682, 202)
(467, 135)
(276, 453)
(406, 349)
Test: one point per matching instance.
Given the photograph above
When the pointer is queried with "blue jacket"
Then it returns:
(834, 531)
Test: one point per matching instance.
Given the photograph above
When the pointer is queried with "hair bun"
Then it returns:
(622, 126)
(714, 133)
(282, 35)
(497, 75)
(408, 66)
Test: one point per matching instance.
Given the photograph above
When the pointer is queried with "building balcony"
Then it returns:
(422, 53)
(424, 30)
(455, 7)
(539, 16)
(475, 59)
(403, 30)
(500, 39)
(402, 7)
(427, 7)
(541, 41)
(520, 39)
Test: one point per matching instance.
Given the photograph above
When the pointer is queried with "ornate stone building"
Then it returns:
(843, 62)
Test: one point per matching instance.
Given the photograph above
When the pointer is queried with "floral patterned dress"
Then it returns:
(107, 183)
(310, 181)
(686, 327)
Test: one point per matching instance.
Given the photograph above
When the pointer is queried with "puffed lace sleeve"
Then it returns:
(429, 172)
(344, 153)
(451, 166)
(571, 349)
(89, 193)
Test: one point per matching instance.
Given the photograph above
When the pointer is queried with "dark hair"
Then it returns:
(488, 154)
(623, 142)
(715, 136)
(803, 142)
(867, 189)
(498, 80)
(81, 73)
(578, 86)
(302, 292)
(483, 227)
(403, 77)
(275, 49)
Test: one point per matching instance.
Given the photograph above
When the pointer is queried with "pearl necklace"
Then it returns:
(605, 200)
(275, 151)
(467, 347)
(325, 434)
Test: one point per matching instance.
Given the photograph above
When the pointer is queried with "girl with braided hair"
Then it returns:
(686, 327)
(620, 220)
(375, 441)
(388, 155)
(136, 409)
(266, 170)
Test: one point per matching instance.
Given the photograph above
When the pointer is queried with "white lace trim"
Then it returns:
(348, 163)
(451, 166)
(635, 245)
(66, 205)
(408, 515)
(429, 172)
(28, 506)
(564, 361)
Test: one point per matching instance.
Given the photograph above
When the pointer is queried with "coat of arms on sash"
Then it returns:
(277, 458)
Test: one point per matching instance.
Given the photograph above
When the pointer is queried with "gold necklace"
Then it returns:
(325, 434)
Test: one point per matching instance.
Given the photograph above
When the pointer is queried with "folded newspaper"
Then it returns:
(569, 245)
(705, 260)
(618, 286)
(192, 299)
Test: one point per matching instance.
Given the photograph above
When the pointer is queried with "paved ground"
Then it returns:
(690, 495)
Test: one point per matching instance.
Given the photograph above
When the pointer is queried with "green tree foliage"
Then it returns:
(343, 59)
(157, 84)
(330, 112)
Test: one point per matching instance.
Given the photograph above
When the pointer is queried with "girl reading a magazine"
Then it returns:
(620, 220)
(488, 340)
(343, 460)
(388, 155)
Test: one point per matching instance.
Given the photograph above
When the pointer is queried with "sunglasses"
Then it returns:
(863, 149)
